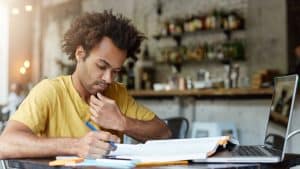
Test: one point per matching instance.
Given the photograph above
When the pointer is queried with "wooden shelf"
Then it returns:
(212, 31)
(178, 37)
(235, 92)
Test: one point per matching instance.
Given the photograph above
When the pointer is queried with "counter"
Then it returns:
(247, 108)
(206, 93)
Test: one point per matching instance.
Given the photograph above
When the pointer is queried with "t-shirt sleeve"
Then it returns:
(133, 109)
(34, 110)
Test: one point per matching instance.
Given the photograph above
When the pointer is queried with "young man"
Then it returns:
(51, 120)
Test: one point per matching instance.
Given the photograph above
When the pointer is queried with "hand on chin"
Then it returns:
(99, 89)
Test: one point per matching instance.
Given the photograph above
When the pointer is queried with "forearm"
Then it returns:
(145, 130)
(20, 144)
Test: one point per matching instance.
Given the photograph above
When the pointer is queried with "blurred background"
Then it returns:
(210, 62)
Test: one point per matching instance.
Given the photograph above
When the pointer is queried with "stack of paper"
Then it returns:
(107, 163)
(170, 150)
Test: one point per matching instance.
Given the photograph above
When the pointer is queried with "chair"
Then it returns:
(275, 141)
(179, 126)
(3, 120)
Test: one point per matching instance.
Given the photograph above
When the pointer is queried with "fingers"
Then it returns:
(103, 98)
(95, 101)
(99, 152)
(98, 98)
(96, 144)
(94, 111)
(98, 103)
(106, 136)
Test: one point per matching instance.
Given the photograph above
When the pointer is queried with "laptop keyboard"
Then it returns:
(248, 151)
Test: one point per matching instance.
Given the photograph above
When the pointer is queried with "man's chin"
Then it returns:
(99, 90)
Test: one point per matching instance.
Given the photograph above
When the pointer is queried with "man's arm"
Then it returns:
(107, 114)
(18, 141)
(145, 130)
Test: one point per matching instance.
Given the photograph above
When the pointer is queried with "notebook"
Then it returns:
(171, 149)
(272, 151)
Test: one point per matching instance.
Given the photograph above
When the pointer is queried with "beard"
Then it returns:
(99, 86)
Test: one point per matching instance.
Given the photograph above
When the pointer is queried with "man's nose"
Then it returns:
(107, 77)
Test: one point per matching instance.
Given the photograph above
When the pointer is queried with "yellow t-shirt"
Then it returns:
(54, 108)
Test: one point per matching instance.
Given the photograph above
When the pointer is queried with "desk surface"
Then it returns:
(290, 160)
(43, 164)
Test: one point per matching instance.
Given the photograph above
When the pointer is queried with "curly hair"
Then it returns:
(89, 29)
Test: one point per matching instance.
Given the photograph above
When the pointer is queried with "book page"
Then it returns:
(126, 149)
(168, 150)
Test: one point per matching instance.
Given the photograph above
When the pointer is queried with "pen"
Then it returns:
(90, 126)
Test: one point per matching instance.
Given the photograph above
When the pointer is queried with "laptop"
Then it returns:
(272, 151)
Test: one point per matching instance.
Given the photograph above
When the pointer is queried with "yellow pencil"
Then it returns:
(145, 164)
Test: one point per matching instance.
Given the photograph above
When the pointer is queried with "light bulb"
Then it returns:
(26, 64)
(15, 11)
(28, 8)
(22, 70)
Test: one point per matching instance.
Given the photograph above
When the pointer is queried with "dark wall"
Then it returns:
(293, 32)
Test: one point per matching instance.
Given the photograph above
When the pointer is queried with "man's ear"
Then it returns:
(79, 53)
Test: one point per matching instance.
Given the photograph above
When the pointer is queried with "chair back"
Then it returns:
(179, 126)
(275, 141)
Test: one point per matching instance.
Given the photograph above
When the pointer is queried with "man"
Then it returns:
(15, 98)
(51, 120)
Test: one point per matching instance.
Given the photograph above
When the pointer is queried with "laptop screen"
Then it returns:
(281, 112)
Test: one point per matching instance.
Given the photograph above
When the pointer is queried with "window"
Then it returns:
(3, 53)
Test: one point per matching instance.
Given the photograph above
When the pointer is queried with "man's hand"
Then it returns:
(95, 144)
(106, 113)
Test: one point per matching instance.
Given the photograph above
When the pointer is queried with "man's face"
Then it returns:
(98, 70)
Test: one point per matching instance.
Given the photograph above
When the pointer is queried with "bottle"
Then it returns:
(181, 83)
(234, 76)
(227, 76)
(145, 80)
(171, 27)
(217, 16)
(189, 83)
(240, 49)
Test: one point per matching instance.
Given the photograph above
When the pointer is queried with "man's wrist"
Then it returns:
(75, 149)
(123, 124)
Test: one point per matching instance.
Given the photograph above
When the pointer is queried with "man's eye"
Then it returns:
(115, 72)
(102, 67)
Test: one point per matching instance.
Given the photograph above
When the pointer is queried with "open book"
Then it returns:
(171, 149)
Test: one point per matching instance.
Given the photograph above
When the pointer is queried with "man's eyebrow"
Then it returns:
(103, 61)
